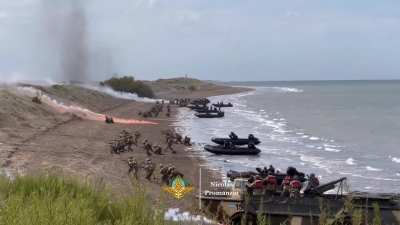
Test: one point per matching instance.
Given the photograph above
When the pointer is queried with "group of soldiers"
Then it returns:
(172, 137)
(149, 148)
(156, 110)
(182, 102)
(147, 165)
(267, 183)
(167, 173)
(124, 142)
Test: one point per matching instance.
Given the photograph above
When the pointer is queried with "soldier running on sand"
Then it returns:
(164, 174)
(178, 138)
(148, 148)
(133, 167)
(157, 150)
(187, 141)
(137, 137)
(149, 167)
(170, 144)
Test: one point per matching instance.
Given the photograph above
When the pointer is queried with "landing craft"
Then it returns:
(311, 208)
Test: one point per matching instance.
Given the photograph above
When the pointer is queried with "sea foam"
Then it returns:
(350, 161)
(370, 168)
(394, 159)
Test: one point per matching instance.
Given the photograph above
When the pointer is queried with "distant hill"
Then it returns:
(188, 87)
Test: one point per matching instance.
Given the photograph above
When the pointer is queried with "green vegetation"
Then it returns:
(130, 85)
(51, 200)
(377, 214)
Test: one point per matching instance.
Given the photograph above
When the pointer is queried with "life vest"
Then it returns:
(271, 180)
(258, 184)
(295, 184)
(286, 181)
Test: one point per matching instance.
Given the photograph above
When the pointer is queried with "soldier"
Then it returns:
(169, 145)
(129, 141)
(286, 186)
(157, 150)
(148, 148)
(168, 108)
(149, 168)
(133, 167)
(167, 136)
(313, 182)
(295, 187)
(137, 137)
(178, 138)
(271, 183)
(164, 174)
(187, 141)
(173, 173)
(145, 143)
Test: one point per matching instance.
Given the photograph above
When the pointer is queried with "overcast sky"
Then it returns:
(206, 39)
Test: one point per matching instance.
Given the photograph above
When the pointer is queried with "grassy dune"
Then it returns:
(53, 200)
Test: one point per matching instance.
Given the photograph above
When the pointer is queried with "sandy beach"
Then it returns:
(36, 139)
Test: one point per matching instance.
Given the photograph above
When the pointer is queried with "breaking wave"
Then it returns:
(288, 89)
(394, 159)
(350, 161)
(370, 168)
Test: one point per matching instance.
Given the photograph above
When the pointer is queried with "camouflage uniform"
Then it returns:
(169, 145)
(148, 148)
(157, 150)
(149, 168)
(164, 175)
(137, 137)
(187, 141)
(178, 138)
(133, 167)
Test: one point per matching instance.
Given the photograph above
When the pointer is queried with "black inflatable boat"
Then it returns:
(239, 141)
(223, 105)
(197, 107)
(210, 115)
(206, 110)
(220, 150)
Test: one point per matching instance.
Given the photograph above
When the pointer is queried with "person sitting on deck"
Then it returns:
(295, 187)
(257, 186)
(313, 182)
(286, 186)
(271, 183)
(271, 169)
(233, 136)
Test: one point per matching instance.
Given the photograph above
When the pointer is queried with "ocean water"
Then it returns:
(333, 128)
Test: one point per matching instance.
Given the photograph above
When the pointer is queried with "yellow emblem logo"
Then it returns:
(178, 188)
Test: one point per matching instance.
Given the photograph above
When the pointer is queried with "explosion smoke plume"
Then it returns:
(65, 23)
(76, 110)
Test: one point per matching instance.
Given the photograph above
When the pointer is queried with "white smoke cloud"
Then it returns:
(116, 94)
